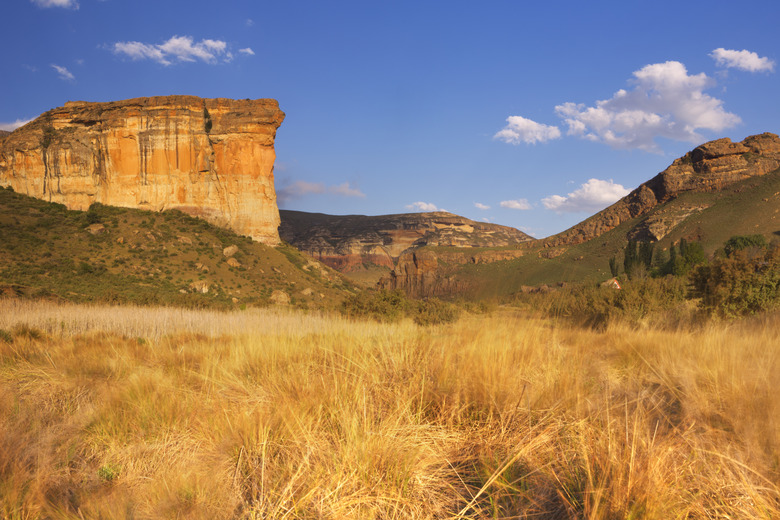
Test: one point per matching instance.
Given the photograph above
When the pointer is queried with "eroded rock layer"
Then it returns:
(349, 242)
(212, 158)
(655, 204)
(709, 167)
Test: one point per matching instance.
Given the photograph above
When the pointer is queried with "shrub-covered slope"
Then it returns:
(750, 206)
(134, 256)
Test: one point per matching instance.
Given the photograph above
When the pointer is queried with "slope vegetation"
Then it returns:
(716, 191)
(127, 255)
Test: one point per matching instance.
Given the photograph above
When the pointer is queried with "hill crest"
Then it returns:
(708, 167)
(352, 243)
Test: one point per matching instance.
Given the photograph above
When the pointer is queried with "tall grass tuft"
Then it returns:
(161, 413)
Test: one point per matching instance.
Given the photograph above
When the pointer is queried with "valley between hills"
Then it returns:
(213, 159)
(172, 345)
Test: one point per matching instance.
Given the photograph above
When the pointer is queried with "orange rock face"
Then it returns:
(349, 242)
(212, 158)
(709, 167)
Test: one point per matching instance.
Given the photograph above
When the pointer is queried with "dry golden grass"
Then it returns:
(161, 413)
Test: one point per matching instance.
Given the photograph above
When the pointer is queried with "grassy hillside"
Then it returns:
(748, 207)
(127, 255)
(114, 412)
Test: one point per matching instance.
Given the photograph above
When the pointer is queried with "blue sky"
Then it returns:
(528, 114)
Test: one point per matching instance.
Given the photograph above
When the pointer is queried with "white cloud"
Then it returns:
(592, 196)
(521, 204)
(520, 129)
(139, 51)
(743, 60)
(176, 48)
(479, 205)
(665, 102)
(300, 189)
(10, 127)
(248, 51)
(68, 4)
(249, 22)
(63, 73)
(423, 206)
(345, 190)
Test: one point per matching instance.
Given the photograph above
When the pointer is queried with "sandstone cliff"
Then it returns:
(350, 242)
(212, 158)
(708, 167)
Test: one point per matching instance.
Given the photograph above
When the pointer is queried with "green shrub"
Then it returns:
(207, 123)
(740, 242)
(595, 306)
(108, 472)
(433, 312)
(6, 336)
(379, 305)
(743, 283)
(93, 214)
(390, 306)
(48, 136)
(85, 268)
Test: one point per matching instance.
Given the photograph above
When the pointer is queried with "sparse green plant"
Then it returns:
(48, 136)
(108, 472)
(207, 123)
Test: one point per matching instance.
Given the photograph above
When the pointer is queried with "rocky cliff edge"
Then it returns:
(350, 242)
(212, 158)
(709, 167)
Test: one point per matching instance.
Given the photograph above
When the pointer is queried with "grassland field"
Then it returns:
(140, 412)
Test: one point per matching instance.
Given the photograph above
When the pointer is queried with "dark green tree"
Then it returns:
(630, 257)
(613, 266)
(645, 253)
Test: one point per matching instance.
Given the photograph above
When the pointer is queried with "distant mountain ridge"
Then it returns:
(352, 242)
(717, 190)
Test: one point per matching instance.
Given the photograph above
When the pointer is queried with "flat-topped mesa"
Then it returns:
(351, 242)
(212, 158)
(709, 167)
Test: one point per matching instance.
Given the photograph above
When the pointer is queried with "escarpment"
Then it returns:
(657, 209)
(709, 167)
(351, 242)
(211, 158)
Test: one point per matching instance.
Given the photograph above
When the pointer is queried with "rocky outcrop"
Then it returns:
(350, 242)
(212, 158)
(709, 167)
(420, 273)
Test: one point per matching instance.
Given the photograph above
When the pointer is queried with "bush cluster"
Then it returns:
(595, 305)
(389, 306)
(745, 281)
